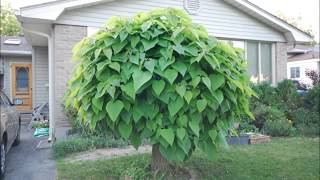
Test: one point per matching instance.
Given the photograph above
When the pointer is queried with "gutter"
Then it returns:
(8, 52)
(51, 79)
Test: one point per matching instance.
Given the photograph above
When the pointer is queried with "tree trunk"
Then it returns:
(158, 162)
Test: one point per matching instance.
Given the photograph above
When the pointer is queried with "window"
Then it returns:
(266, 62)
(253, 61)
(295, 72)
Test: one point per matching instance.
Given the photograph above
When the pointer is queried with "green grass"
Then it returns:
(284, 158)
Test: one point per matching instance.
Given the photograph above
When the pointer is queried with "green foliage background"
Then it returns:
(9, 24)
(160, 77)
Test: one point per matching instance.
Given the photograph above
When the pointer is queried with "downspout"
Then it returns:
(51, 80)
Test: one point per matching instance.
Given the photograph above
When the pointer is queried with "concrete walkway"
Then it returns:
(28, 161)
(108, 153)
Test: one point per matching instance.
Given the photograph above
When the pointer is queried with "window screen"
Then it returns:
(253, 58)
(266, 59)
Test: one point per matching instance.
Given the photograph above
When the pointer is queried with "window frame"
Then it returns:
(293, 71)
(273, 57)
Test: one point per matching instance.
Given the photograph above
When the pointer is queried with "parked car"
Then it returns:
(10, 124)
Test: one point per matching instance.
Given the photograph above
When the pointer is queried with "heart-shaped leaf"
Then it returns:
(182, 121)
(129, 90)
(216, 81)
(148, 44)
(175, 106)
(170, 75)
(181, 133)
(125, 129)
(108, 53)
(180, 67)
(201, 104)
(140, 78)
(194, 125)
(181, 90)
(188, 96)
(218, 95)
(114, 108)
(207, 82)
(168, 135)
(158, 86)
(115, 66)
(213, 134)
(149, 65)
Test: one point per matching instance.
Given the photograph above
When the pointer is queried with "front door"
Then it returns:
(22, 85)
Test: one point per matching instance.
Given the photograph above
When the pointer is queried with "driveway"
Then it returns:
(28, 161)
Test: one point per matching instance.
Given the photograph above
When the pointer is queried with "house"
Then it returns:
(16, 71)
(53, 28)
(301, 59)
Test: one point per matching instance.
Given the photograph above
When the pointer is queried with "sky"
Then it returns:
(308, 10)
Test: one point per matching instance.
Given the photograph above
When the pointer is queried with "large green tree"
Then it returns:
(160, 77)
(9, 24)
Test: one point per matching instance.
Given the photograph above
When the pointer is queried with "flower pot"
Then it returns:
(238, 140)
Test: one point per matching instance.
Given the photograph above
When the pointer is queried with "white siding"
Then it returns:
(310, 64)
(221, 20)
(41, 76)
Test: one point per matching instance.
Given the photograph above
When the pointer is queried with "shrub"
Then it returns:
(306, 121)
(312, 99)
(159, 76)
(279, 127)
(64, 147)
(314, 76)
(266, 93)
(287, 92)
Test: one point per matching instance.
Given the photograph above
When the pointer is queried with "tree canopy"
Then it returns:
(158, 76)
(9, 24)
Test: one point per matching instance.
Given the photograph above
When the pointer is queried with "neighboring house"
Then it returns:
(16, 70)
(301, 59)
(53, 29)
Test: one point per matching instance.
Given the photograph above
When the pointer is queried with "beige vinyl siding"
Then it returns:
(40, 75)
(221, 19)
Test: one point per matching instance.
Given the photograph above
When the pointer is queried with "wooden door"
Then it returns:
(22, 85)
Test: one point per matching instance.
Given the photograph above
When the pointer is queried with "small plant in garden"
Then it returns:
(160, 77)
(314, 76)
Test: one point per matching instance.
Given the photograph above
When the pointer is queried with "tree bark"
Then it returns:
(158, 162)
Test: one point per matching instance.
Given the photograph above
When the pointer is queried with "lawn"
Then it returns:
(283, 158)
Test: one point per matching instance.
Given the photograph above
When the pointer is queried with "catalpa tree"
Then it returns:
(158, 76)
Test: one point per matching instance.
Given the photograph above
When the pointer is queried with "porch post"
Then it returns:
(51, 87)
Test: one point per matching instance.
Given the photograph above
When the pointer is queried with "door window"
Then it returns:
(22, 79)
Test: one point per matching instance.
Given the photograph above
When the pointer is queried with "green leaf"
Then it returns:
(188, 96)
(175, 106)
(181, 133)
(182, 121)
(117, 47)
(115, 66)
(134, 58)
(97, 53)
(97, 102)
(146, 25)
(164, 63)
(134, 41)
(181, 90)
(213, 134)
(207, 82)
(108, 52)
(125, 129)
(149, 65)
(148, 44)
(178, 48)
(195, 81)
(114, 108)
(168, 135)
(135, 140)
(158, 86)
(194, 125)
(111, 91)
(170, 75)
(129, 90)
(218, 95)
(216, 81)
(180, 67)
(140, 78)
(123, 35)
(201, 105)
